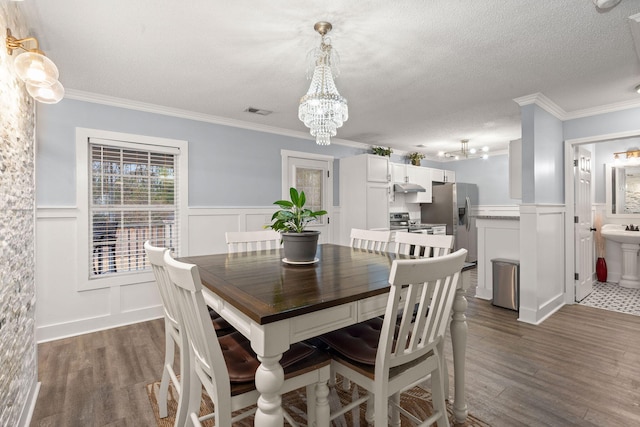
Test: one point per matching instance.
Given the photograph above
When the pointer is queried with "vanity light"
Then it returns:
(38, 72)
(629, 154)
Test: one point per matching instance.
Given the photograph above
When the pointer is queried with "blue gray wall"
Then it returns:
(491, 176)
(227, 166)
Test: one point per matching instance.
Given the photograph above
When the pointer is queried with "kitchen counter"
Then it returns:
(510, 217)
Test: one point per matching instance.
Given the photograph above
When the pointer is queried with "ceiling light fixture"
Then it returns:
(465, 152)
(605, 4)
(38, 72)
(322, 109)
(638, 88)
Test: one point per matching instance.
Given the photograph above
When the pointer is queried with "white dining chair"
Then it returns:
(226, 366)
(172, 331)
(387, 357)
(374, 240)
(247, 241)
(423, 245)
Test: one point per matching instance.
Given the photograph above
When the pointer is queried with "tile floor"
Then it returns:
(610, 296)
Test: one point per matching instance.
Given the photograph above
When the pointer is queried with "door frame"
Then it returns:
(569, 144)
(286, 154)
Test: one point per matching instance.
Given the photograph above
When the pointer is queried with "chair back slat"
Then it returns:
(248, 241)
(431, 284)
(195, 319)
(155, 255)
(430, 245)
(371, 240)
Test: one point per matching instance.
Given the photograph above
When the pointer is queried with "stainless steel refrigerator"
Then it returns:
(452, 205)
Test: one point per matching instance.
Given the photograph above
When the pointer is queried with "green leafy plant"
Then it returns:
(293, 217)
(415, 157)
(382, 151)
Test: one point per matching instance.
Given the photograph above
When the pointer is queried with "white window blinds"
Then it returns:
(133, 197)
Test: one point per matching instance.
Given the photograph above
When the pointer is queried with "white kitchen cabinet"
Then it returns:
(441, 175)
(364, 194)
(398, 172)
(377, 168)
(421, 176)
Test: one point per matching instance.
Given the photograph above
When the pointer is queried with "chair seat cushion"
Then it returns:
(242, 361)
(358, 342)
(220, 324)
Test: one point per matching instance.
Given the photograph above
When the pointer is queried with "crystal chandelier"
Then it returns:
(322, 109)
(465, 152)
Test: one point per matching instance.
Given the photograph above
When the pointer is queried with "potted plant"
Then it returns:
(300, 245)
(415, 158)
(382, 151)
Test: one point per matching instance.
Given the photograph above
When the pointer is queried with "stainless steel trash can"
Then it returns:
(506, 283)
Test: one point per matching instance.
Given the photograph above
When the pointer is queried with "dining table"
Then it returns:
(275, 304)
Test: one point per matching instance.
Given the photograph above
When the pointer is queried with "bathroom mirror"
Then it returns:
(623, 190)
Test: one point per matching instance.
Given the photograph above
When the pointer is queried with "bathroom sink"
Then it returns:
(617, 233)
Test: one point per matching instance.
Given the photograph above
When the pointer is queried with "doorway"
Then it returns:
(313, 174)
(604, 295)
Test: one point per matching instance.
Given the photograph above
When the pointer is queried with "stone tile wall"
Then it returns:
(18, 361)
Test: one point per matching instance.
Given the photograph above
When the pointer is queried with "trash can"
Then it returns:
(506, 283)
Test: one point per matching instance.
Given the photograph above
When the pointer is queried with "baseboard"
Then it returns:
(29, 405)
(536, 317)
(484, 293)
(84, 326)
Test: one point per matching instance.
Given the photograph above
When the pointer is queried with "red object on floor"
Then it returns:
(601, 270)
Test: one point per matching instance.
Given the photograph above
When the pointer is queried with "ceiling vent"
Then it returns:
(257, 111)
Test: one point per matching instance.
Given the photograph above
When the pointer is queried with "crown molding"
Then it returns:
(558, 112)
(543, 102)
(191, 115)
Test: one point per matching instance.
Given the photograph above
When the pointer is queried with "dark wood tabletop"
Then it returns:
(266, 289)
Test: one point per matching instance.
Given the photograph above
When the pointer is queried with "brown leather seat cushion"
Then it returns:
(242, 361)
(358, 342)
(221, 326)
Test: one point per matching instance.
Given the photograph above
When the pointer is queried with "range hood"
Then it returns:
(407, 187)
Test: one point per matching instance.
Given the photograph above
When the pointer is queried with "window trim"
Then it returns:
(82, 198)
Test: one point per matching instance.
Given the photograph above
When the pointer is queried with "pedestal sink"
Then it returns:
(630, 242)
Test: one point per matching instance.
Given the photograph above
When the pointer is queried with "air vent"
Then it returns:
(257, 111)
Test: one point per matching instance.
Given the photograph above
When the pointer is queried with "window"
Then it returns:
(133, 194)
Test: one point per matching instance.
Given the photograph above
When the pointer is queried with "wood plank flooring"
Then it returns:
(581, 367)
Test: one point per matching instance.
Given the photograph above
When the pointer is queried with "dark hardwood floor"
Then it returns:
(580, 367)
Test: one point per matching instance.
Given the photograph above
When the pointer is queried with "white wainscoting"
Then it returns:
(542, 274)
(497, 238)
(63, 311)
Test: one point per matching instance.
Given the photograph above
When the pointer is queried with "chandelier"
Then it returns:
(465, 152)
(322, 109)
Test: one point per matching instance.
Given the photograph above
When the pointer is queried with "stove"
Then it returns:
(399, 221)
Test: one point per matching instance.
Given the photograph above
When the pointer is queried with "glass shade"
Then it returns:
(322, 109)
(47, 95)
(36, 69)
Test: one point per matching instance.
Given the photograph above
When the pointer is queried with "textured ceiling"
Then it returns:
(414, 72)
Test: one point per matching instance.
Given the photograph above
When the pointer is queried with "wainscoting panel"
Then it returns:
(62, 310)
(542, 276)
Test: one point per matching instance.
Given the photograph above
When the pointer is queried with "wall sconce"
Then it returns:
(38, 72)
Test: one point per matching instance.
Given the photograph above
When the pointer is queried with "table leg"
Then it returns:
(459, 344)
(269, 381)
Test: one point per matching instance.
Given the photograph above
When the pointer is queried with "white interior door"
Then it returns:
(584, 264)
(313, 176)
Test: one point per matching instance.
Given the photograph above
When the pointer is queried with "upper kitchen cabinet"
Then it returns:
(377, 168)
(440, 175)
(364, 194)
(398, 172)
(422, 177)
